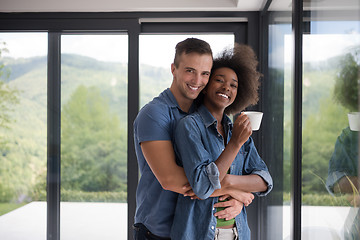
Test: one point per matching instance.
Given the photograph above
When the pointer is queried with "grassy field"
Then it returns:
(8, 207)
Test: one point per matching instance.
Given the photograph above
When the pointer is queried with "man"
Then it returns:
(343, 178)
(161, 178)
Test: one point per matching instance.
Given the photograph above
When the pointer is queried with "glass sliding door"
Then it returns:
(94, 136)
(330, 94)
(330, 145)
(277, 134)
(23, 135)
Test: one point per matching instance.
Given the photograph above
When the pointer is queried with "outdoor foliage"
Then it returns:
(8, 100)
(319, 137)
(322, 127)
(323, 120)
(8, 96)
(321, 199)
(80, 196)
(346, 91)
(94, 98)
(93, 150)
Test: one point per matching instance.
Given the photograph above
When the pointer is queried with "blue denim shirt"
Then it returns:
(344, 160)
(198, 144)
(155, 206)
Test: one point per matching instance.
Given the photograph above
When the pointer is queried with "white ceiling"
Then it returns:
(128, 5)
(167, 5)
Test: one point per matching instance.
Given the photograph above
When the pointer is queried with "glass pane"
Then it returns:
(330, 153)
(156, 55)
(23, 134)
(94, 136)
(277, 134)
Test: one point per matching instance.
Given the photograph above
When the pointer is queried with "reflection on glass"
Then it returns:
(94, 137)
(23, 126)
(330, 196)
(278, 134)
(330, 148)
(156, 55)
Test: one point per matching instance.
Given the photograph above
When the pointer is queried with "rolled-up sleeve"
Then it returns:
(332, 179)
(265, 175)
(213, 174)
(202, 173)
(255, 165)
(343, 161)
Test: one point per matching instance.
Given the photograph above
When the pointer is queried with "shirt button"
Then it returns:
(212, 227)
(213, 209)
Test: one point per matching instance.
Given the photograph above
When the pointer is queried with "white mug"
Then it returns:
(255, 119)
(354, 121)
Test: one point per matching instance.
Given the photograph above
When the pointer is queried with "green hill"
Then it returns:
(103, 139)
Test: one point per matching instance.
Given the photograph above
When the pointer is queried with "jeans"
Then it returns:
(142, 233)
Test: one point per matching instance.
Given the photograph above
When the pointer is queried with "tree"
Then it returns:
(346, 91)
(8, 96)
(93, 152)
(319, 136)
(322, 128)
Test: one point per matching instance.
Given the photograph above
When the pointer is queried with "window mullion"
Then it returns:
(297, 19)
(53, 137)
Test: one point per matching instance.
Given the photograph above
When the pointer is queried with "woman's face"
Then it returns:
(222, 89)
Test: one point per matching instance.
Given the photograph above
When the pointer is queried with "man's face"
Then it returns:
(192, 74)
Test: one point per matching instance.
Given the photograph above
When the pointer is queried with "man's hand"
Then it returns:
(189, 192)
(232, 208)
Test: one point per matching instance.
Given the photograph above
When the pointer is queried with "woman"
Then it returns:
(202, 143)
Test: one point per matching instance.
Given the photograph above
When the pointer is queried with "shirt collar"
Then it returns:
(170, 100)
(209, 120)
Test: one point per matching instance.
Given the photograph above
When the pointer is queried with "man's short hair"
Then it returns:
(191, 45)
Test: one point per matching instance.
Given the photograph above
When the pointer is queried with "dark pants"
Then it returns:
(142, 233)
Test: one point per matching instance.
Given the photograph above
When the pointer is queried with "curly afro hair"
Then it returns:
(243, 61)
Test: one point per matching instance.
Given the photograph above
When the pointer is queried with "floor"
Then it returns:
(90, 221)
(108, 221)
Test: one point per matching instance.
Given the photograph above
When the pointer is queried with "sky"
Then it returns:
(158, 50)
(320, 47)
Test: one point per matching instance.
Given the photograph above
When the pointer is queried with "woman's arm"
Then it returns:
(240, 187)
(240, 134)
(246, 183)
